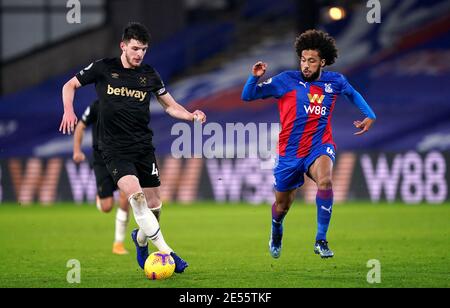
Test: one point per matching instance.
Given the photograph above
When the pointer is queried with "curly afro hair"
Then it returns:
(317, 40)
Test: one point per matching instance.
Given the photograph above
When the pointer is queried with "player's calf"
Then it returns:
(157, 211)
(279, 211)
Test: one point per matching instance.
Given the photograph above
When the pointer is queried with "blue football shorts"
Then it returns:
(290, 172)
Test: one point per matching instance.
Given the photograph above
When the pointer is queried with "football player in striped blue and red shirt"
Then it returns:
(306, 100)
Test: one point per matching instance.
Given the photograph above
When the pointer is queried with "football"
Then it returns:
(159, 266)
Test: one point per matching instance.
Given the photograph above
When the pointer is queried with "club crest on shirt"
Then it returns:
(328, 88)
(268, 81)
(143, 81)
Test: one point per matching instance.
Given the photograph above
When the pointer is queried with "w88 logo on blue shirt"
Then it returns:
(317, 110)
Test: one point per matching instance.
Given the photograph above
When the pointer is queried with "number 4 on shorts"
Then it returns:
(155, 170)
(330, 151)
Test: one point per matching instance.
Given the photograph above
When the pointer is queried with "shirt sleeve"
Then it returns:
(160, 88)
(90, 114)
(272, 87)
(356, 98)
(90, 73)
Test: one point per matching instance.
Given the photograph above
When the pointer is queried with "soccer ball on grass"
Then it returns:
(159, 266)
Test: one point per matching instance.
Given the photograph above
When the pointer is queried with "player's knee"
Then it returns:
(283, 205)
(325, 183)
(106, 205)
(129, 185)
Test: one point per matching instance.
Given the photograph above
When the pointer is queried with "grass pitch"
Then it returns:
(226, 246)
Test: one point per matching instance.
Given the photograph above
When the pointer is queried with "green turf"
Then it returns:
(226, 246)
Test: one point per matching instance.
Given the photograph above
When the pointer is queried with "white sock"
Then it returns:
(147, 221)
(121, 225)
(142, 238)
(98, 204)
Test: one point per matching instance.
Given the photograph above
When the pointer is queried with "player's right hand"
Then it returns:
(199, 116)
(364, 126)
(259, 69)
(78, 157)
(68, 122)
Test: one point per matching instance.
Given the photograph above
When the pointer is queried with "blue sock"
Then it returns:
(277, 218)
(324, 201)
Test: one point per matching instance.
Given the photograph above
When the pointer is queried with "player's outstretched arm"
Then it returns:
(250, 91)
(273, 87)
(357, 99)
(69, 119)
(78, 155)
(177, 111)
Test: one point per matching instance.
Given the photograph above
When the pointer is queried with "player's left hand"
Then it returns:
(68, 122)
(364, 126)
(199, 116)
(78, 157)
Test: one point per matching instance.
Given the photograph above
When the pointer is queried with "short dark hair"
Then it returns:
(317, 40)
(137, 31)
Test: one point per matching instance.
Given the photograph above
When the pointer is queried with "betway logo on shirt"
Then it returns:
(124, 91)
